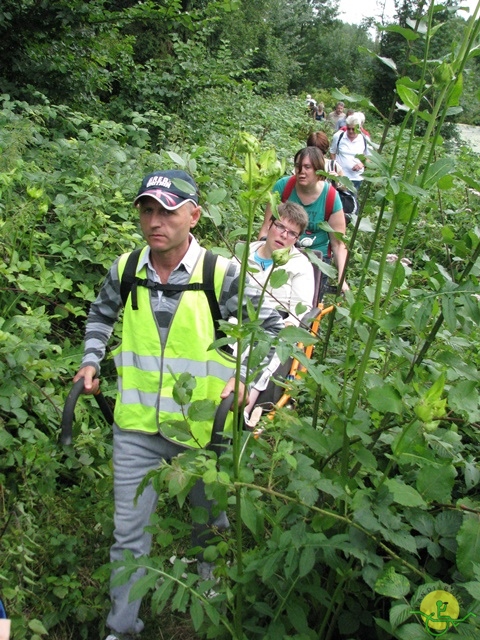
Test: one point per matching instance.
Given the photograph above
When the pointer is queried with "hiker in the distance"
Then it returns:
(169, 332)
(350, 148)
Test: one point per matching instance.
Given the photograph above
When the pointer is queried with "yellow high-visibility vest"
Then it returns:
(147, 369)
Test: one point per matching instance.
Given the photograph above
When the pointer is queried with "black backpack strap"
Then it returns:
(129, 280)
(209, 262)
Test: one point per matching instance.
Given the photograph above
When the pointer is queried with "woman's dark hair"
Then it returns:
(314, 155)
(318, 139)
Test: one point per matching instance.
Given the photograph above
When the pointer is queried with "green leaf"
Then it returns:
(436, 484)
(366, 458)
(385, 399)
(180, 599)
(399, 614)
(408, 34)
(413, 631)
(392, 584)
(196, 613)
(463, 397)
(178, 429)
(307, 561)
(37, 627)
(293, 335)
(435, 171)
(356, 310)
(408, 96)
(180, 161)
(183, 388)
(404, 494)
(449, 312)
(297, 616)
(455, 93)
(278, 278)
(473, 589)
(216, 196)
(143, 585)
(201, 410)
(468, 539)
(251, 515)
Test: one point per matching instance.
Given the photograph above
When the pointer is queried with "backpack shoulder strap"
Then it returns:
(339, 139)
(365, 141)
(209, 262)
(129, 283)
(129, 276)
(332, 192)
(289, 187)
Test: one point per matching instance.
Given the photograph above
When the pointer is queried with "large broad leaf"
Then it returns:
(408, 34)
(387, 61)
(216, 195)
(178, 160)
(468, 539)
(297, 617)
(385, 399)
(252, 516)
(471, 182)
(399, 614)
(455, 93)
(436, 484)
(392, 584)
(296, 334)
(307, 561)
(412, 631)
(404, 494)
(178, 429)
(463, 397)
(202, 410)
(325, 268)
(449, 312)
(183, 388)
(213, 213)
(409, 96)
(436, 171)
(196, 613)
(143, 585)
(278, 278)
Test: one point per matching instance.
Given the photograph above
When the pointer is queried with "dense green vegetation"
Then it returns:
(353, 506)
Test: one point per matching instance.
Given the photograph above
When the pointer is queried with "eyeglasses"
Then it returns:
(351, 128)
(299, 166)
(282, 229)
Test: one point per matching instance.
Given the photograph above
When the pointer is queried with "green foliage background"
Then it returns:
(356, 504)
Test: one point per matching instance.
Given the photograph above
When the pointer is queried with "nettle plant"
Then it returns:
(348, 511)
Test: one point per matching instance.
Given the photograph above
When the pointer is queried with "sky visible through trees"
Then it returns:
(354, 12)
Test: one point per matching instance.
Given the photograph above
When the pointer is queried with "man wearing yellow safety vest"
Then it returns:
(165, 332)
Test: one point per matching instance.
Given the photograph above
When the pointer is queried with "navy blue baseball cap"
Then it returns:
(171, 188)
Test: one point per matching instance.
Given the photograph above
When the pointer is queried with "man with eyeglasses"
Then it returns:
(292, 299)
(348, 147)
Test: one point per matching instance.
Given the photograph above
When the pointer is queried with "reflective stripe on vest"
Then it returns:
(147, 371)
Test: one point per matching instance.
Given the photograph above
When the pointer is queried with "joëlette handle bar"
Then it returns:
(217, 442)
(69, 410)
